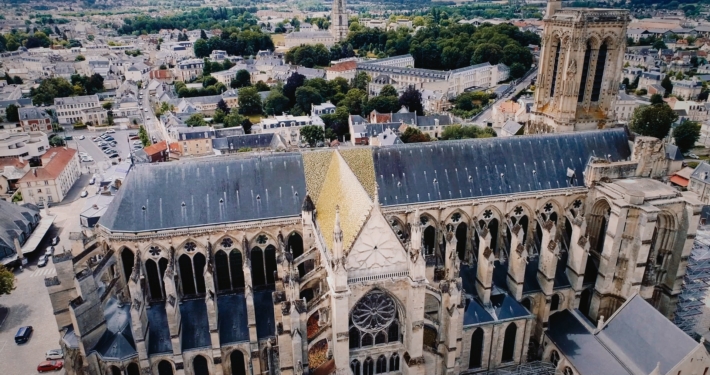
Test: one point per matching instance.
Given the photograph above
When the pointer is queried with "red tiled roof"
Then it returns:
(343, 66)
(53, 163)
(680, 181)
(12, 162)
(156, 148)
(160, 74)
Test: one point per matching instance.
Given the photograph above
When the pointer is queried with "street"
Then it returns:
(485, 116)
(29, 303)
(151, 122)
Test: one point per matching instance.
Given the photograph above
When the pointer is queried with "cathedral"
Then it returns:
(579, 69)
(557, 253)
(431, 258)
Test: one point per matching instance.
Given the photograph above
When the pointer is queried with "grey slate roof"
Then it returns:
(701, 173)
(117, 341)
(437, 171)
(158, 330)
(233, 323)
(673, 153)
(252, 188)
(195, 326)
(14, 220)
(633, 341)
(573, 334)
(236, 142)
(265, 322)
(633, 333)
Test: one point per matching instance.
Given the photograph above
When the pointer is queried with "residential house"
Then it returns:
(33, 119)
(287, 126)
(11, 171)
(700, 182)
(162, 76)
(194, 141)
(249, 142)
(625, 105)
(71, 110)
(157, 152)
(504, 112)
(326, 108)
(50, 182)
(650, 78)
(346, 69)
(187, 70)
(688, 89)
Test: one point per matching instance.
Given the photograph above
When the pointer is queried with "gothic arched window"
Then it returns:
(381, 365)
(368, 367)
(509, 342)
(374, 320)
(355, 367)
(394, 362)
(555, 357)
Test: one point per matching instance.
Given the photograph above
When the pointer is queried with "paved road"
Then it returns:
(152, 125)
(29, 305)
(486, 115)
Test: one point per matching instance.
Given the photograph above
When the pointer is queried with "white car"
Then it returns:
(54, 354)
(83, 154)
(81, 138)
(84, 194)
(92, 181)
(110, 131)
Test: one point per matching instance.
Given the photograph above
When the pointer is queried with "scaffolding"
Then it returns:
(530, 368)
(695, 285)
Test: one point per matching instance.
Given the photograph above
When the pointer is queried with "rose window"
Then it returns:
(373, 321)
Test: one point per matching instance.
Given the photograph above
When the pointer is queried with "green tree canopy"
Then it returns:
(242, 79)
(49, 89)
(656, 99)
(7, 281)
(233, 119)
(196, 120)
(276, 103)
(686, 134)
(412, 100)
(414, 135)
(668, 85)
(249, 101)
(465, 132)
(653, 120)
(307, 96)
(312, 134)
(12, 113)
(388, 90)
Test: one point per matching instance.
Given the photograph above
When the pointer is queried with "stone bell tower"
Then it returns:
(339, 21)
(579, 69)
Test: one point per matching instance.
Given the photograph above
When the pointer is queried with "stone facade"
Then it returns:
(323, 262)
(580, 68)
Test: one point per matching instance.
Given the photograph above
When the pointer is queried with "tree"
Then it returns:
(17, 80)
(353, 101)
(202, 49)
(209, 81)
(261, 86)
(242, 79)
(307, 96)
(233, 119)
(361, 81)
(8, 79)
(465, 132)
(276, 103)
(517, 70)
(487, 52)
(293, 82)
(7, 280)
(80, 58)
(412, 99)
(49, 89)
(163, 67)
(414, 135)
(312, 134)
(143, 136)
(388, 90)
(382, 104)
(196, 120)
(221, 104)
(659, 45)
(107, 105)
(686, 134)
(203, 35)
(12, 113)
(656, 99)
(668, 85)
(249, 101)
(653, 120)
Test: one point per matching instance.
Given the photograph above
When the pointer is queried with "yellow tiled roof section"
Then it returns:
(360, 162)
(341, 188)
(315, 166)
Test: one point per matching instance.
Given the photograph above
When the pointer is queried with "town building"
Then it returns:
(700, 182)
(188, 70)
(23, 145)
(288, 126)
(625, 105)
(346, 69)
(86, 109)
(194, 141)
(580, 68)
(50, 182)
(34, 119)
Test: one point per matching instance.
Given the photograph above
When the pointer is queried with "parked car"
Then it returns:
(113, 155)
(81, 137)
(55, 240)
(54, 354)
(693, 156)
(109, 138)
(95, 139)
(110, 131)
(45, 366)
(43, 260)
(112, 143)
(87, 159)
(92, 181)
(50, 251)
(132, 134)
(68, 138)
(23, 334)
(84, 194)
(137, 142)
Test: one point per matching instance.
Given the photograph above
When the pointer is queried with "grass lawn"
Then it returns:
(255, 119)
(278, 39)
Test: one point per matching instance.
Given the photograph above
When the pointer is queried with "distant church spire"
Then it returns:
(339, 20)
